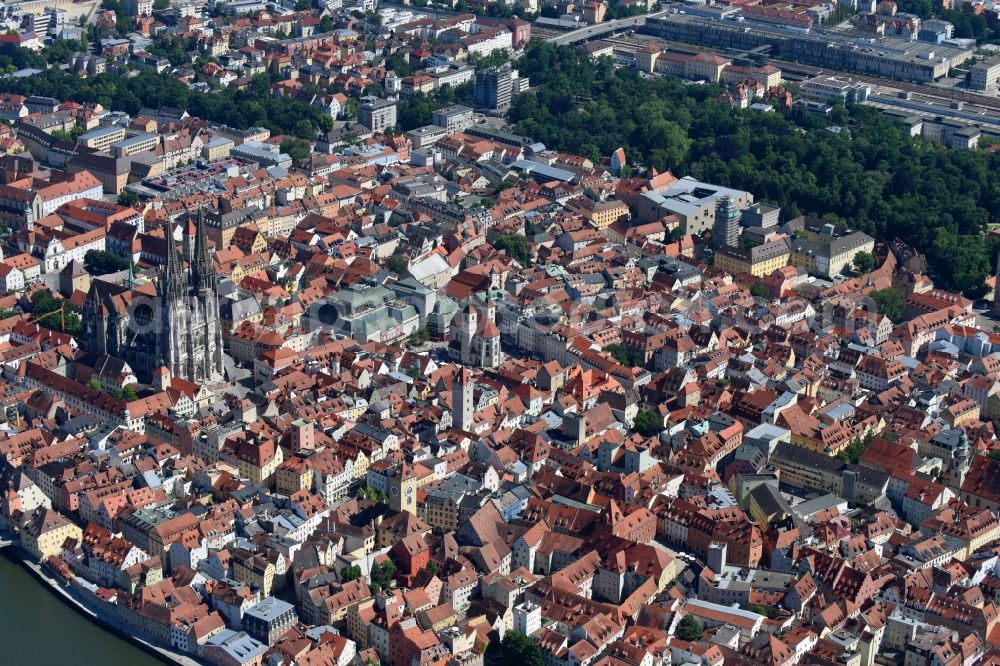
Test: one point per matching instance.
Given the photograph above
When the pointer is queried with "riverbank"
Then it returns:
(37, 628)
(76, 599)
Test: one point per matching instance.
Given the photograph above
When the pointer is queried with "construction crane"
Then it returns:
(62, 317)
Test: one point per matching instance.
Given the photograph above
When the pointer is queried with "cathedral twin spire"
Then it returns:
(190, 339)
(202, 276)
(202, 272)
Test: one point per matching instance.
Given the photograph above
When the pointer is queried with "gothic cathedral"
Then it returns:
(179, 331)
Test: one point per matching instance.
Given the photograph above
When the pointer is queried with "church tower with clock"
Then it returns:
(403, 489)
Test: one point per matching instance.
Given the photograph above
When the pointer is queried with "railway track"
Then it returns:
(542, 33)
(794, 71)
(944, 95)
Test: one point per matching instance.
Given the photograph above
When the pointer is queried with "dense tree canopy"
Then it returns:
(16, 58)
(515, 246)
(383, 575)
(398, 63)
(415, 111)
(178, 50)
(874, 177)
(55, 313)
(690, 628)
(967, 24)
(760, 290)
(890, 302)
(648, 423)
(519, 650)
(252, 107)
(297, 149)
(628, 357)
(397, 264)
(62, 49)
(99, 262)
(864, 262)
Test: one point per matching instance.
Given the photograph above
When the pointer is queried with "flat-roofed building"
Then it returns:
(269, 620)
(835, 89)
(377, 115)
(217, 148)
(455, 118)
(758, 261)
(425, 136)
(138, 143)
(985, 75)
(101, 138)
(692, 202)
(824, 248)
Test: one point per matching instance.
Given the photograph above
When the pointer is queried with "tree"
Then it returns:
(856, 448)
(61, 50)
(129, 394)
(238, 108)
(398, 64)
(93, 384)
(398, 264)
(178, 50)
(625, 356)
(127, 198)
(160, 5)
(369, 493)
(305, 129)
(689, 628)
(519, 650)
(864, 262)
(413, 112)
(889, 301)
(432, 567)
(514, 245)
(296, 149)
(55, 313)
(100, 262)
(760, 290)
(382, 576)
(878, 180)
(62, 135)
(648, 423)
(350, 573)
(496, 58)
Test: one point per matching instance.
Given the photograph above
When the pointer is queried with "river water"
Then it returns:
(37, 629)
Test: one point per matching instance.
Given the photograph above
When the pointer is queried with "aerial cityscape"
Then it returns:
(500, 332)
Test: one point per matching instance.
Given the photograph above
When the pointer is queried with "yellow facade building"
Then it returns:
(758, 261)
(45, 531)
